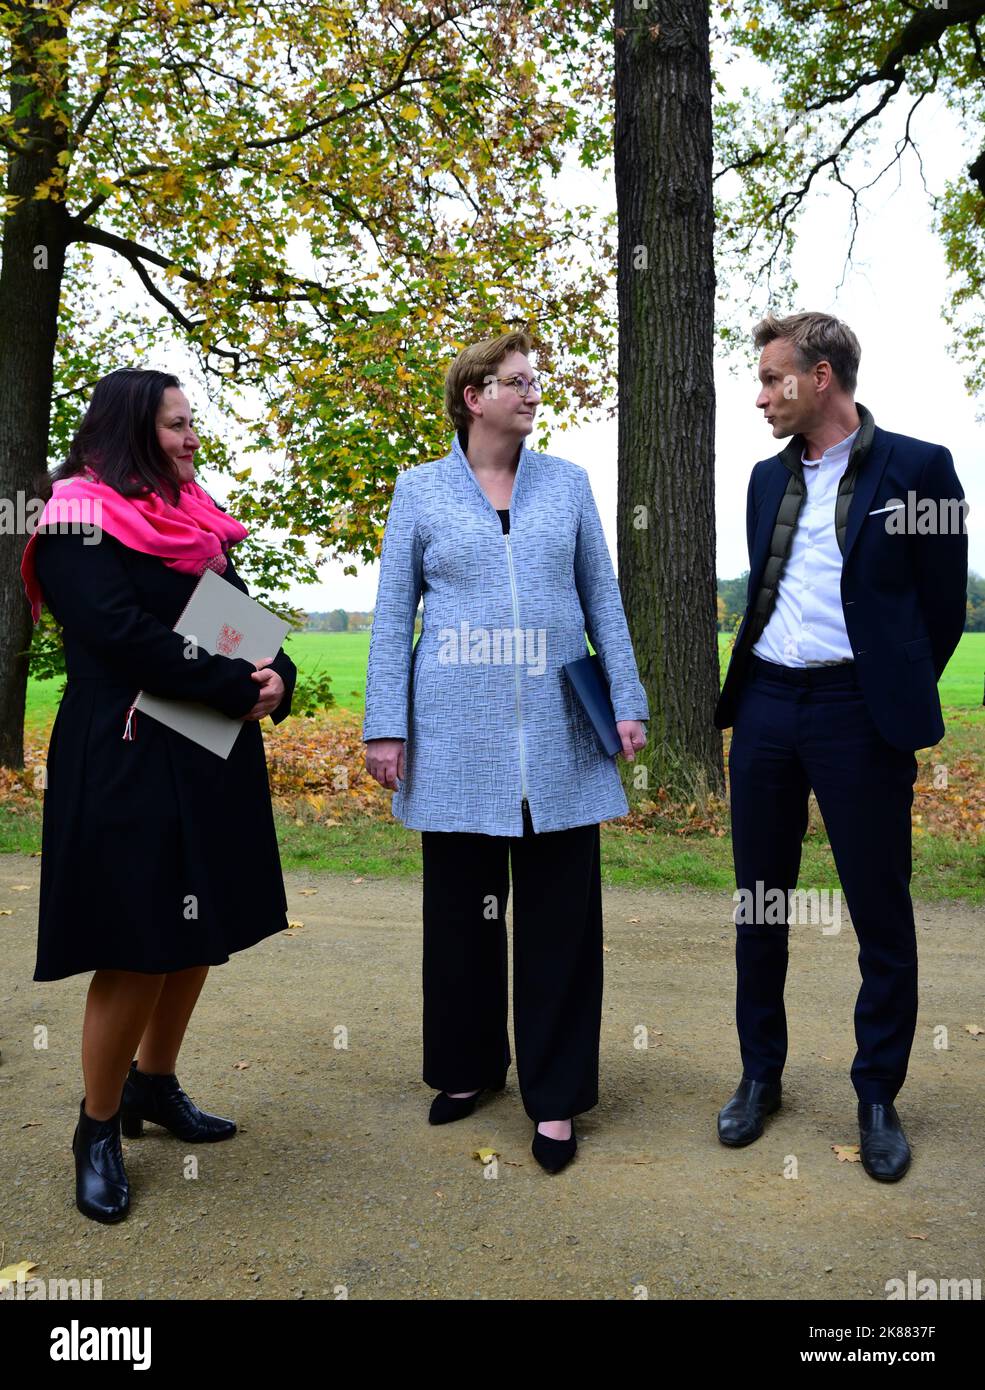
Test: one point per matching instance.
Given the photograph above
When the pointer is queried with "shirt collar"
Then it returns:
(835, 454)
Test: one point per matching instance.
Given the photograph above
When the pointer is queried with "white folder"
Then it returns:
(223, 621)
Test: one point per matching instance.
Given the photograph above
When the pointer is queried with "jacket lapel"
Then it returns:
(866, 485)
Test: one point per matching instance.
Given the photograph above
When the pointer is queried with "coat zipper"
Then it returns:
(516, 669)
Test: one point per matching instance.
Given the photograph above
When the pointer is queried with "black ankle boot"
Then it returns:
(161, 1100)
(101, 1188)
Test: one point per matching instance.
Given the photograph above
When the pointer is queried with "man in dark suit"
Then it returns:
(857, 598)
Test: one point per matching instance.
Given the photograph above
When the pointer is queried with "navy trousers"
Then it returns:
(557, 964)
(798, 729)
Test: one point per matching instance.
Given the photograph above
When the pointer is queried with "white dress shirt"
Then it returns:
(807, 625)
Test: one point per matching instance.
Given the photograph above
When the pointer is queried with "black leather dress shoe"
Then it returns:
(101, 1188)
(159, 1098)
(740, 1119)
(553, 1154)
(884, 1149)
(446, 1108)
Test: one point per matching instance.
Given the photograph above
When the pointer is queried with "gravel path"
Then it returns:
(337, 1186)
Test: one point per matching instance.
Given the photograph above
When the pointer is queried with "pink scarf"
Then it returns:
(189, 537)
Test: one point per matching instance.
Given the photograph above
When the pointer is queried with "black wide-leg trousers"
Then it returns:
(557, 964)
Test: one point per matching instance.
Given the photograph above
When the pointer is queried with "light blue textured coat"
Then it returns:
(488, 714)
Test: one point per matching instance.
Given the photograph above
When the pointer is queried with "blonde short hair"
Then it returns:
(816, 338)
(473, 366)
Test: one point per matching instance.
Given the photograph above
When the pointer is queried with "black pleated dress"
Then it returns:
(156, 854)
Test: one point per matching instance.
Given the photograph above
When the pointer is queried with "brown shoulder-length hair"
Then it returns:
(474, 366)
(118, 440)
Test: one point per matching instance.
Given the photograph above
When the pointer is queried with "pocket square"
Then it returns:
(899, 506)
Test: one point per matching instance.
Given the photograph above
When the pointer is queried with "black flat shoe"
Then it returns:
(446, 1108)
(161, 1100)
(101, 1188)
(883, 1146)
(740, 1120)
(553, 1154)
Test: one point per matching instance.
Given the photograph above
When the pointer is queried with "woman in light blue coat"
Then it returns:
(490, 754)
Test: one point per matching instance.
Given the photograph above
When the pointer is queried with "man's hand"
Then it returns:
(633, 737)
(385, 760)
(271, 690)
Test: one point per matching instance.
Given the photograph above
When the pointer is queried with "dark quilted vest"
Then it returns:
(788, 514)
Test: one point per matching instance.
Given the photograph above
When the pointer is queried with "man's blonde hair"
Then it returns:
(816, 338)
(474, 366)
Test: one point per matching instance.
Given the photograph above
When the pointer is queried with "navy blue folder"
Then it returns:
(587, 676)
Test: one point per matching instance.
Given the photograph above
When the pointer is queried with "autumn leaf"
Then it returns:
(9, 1274)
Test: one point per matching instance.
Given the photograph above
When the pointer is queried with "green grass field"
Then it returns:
(944, 867)
(344, 655)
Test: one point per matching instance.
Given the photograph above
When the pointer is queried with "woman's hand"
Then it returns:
(385, 760)
(633, 737)
(271, 690)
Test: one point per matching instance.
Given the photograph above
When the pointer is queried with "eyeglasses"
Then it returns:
(521, 384)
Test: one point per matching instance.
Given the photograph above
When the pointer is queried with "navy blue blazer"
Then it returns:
(904, 596)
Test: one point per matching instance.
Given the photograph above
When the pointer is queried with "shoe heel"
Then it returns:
(131, 1125)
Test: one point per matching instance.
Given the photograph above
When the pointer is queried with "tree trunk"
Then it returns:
(34, 241)
(666, 299)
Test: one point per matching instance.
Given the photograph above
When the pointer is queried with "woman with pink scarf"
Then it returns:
(159, 858)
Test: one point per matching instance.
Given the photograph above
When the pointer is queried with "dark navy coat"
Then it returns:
(903, 595)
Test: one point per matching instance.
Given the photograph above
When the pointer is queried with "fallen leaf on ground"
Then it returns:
(847, 1153)
(8, 1275)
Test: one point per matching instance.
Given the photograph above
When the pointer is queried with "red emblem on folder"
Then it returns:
(229, 640)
